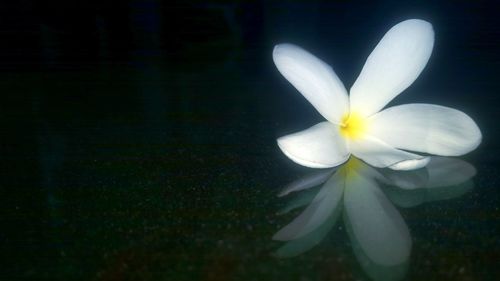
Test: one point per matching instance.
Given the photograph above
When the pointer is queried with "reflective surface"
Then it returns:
(138, 142)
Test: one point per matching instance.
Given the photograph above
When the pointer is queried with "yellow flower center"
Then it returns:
(353, 126)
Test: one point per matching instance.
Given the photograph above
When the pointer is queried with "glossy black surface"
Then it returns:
(138, 140)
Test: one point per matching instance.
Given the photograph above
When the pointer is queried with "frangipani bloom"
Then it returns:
(356, 125)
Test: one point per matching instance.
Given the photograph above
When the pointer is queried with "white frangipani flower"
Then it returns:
(355, 123)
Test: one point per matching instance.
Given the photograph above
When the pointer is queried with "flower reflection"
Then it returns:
(366, 198)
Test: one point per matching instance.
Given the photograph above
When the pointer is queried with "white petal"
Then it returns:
(317, 213)
(393, 65)
(426, 128)
(314, 79)
(374, 223)
(319, 146)
(410, 164)
(379, 154)
(307, 182)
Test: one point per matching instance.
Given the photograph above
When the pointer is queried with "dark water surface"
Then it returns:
(138, 143)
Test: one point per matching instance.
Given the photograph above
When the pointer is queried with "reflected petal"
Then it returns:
(446, 171)
(322, 206)
(408, 198)
(376, 225)
(300, 200)
(373, 270)
(306, 182)
(405, 179)
(298, 246)
(448, 192)
(447, 178)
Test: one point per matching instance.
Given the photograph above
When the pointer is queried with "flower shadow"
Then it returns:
(367, 198)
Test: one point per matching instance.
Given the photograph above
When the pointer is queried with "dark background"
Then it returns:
(138, 137)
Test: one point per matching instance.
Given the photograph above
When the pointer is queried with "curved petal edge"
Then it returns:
(319, 146)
